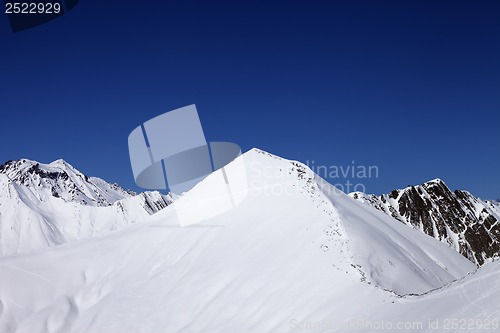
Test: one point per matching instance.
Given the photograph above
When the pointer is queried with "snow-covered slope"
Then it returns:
(295, 251)
(471, 304)
(494, 207)
(467, 224)
(48, 205)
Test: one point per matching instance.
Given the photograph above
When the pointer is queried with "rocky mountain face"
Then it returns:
(43, 205)
(469, 225)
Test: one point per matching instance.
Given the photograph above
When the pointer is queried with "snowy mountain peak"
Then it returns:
(64, 181)
(466, 223)
(299, 210)
(434, 181)
(62, 164)
(58, 162)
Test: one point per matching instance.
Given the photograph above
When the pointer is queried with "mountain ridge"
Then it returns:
(64, 181)
(466, 223)
(295, 250)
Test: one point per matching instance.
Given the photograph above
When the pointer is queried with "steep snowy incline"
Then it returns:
(386, 252)
(466, 223)
(494, 207)
(391, 256)
(293, 251)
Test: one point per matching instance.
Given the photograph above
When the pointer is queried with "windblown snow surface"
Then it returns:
(296, 255)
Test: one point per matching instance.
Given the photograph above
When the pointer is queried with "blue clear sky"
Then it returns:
(412, 87)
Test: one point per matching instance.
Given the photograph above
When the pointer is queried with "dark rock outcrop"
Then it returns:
(464, 222)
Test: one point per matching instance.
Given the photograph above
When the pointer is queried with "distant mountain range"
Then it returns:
(43, 205)
(466, 223)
